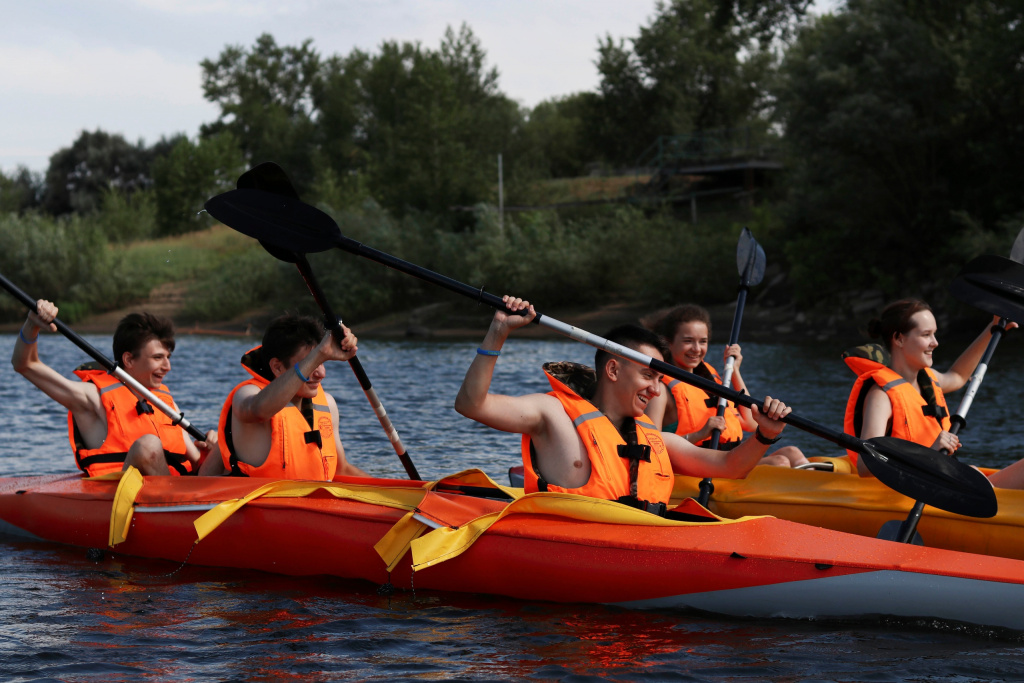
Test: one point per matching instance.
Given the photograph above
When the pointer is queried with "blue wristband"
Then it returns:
(488, 352)
(22, 335)
(299, 373)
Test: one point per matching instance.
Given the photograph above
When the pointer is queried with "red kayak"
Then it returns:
(466, 534)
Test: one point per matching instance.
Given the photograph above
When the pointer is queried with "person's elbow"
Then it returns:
(19, 363)
(465, 406)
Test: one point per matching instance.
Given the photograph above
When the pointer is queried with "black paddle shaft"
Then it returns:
(94, 353)
(710, 386)
(333, 323)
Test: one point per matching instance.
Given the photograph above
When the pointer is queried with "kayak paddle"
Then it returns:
(750, 260)
(915, 471)
(108, 365)
(269, 177)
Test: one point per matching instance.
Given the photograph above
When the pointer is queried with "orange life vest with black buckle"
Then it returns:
(301, 438)
(610, 473)
(914, 418)
(128, 418)
(694, 407)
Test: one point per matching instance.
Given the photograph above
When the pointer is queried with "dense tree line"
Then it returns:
(899, 120)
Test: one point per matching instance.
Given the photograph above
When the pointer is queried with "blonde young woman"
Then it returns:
(690, 412)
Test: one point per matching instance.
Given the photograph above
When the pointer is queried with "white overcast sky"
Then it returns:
(132, 66)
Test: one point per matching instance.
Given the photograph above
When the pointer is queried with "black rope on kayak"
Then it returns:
(182, 565)
(387, 589)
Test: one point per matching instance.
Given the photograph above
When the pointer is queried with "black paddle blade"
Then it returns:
(930, 476)
(269, 177)
(994, 284)
(750, 259)
(275, 220)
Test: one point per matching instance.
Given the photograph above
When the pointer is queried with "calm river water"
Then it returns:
(69, 618)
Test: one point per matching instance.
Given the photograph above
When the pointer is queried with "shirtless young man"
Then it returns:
(111, 428)
(586, 445)
(280, 423)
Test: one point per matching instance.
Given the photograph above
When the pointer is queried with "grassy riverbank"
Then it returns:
(583, 258)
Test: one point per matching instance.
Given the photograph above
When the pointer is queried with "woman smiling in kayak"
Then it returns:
(690, 412)
(902, 396)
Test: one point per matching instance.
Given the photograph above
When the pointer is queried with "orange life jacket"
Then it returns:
(128, 418)
(301, 438)
(609, 473)
(694, 407)
(913, 417)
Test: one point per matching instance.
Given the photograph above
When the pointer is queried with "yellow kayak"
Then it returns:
(860, 505)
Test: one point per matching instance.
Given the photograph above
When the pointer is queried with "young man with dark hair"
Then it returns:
(109, 426)
(596, 441)
(280, 423)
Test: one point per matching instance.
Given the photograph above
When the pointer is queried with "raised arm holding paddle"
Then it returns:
(120, 414)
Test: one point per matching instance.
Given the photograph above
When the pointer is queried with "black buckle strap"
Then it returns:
(658, 509)
(313, 436)
(936, 411)
(143, 408)
(635, 452)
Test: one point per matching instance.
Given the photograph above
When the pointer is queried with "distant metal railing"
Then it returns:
(710, 145)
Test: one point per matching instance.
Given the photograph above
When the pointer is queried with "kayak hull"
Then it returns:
(757, 567)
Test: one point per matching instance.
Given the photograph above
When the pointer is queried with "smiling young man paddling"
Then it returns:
(602, 445)
(109, 426)
(281, 423)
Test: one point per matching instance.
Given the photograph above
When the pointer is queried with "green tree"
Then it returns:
(265, 96)
(435, 124)
(189, 175)
(20, 191)
(79, 175)
(902, 121)
(555, 136)
(699, 65)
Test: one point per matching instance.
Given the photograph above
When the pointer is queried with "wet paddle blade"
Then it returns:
(275, 220)
(750, 259)
(929, 476)
(994, 284)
